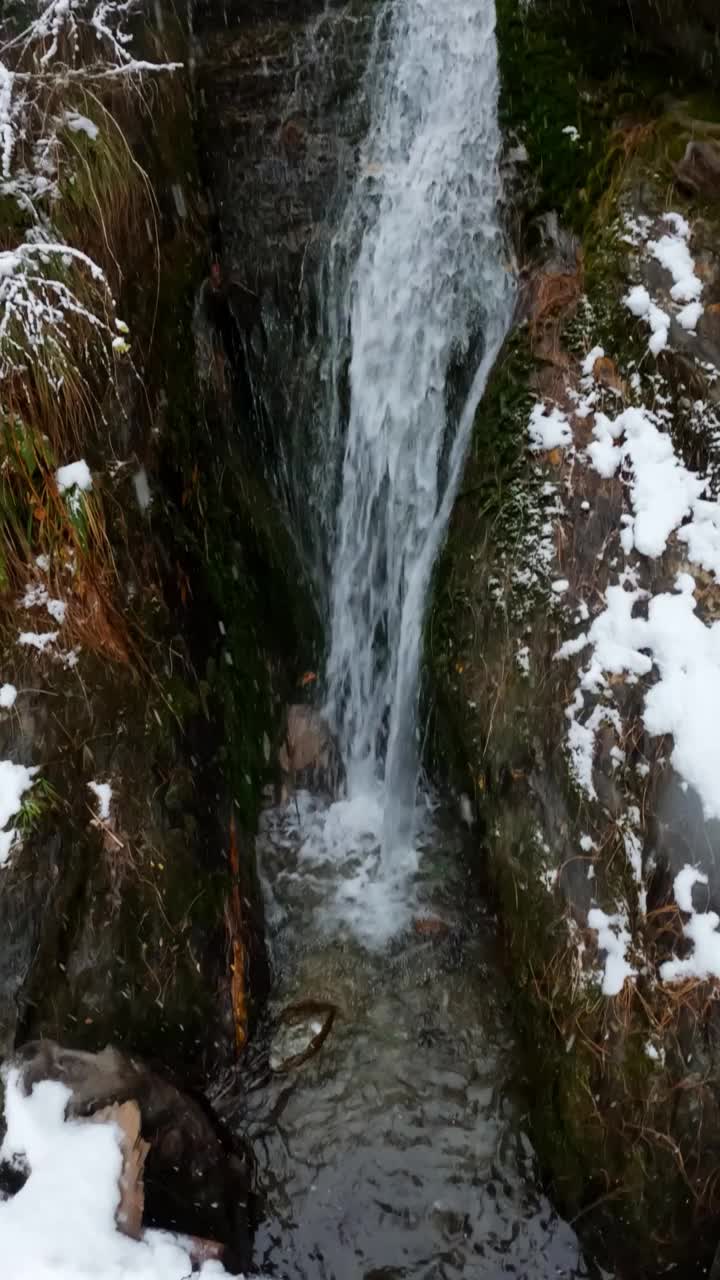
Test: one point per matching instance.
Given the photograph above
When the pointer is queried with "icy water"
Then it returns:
(398, 1148)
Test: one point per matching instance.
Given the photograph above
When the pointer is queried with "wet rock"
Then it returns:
(282, 121)
(309, 756)
(196, 1181)
(699, 170)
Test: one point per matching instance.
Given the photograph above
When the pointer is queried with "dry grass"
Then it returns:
(58, 395)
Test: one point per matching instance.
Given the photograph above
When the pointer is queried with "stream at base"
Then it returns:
(398, 1148)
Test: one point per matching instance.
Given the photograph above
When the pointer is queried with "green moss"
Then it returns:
(556, 73)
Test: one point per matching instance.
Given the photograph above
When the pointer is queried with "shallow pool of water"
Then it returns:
(398, 1147)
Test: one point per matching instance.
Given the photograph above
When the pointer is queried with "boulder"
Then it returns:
(699, 170)
(309, 755)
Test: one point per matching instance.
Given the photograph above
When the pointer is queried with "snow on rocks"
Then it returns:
(662, 491)
(641, 304)
(581, 741)
(655, 623)
(61, 1224)
(685, 699)
(549, 429)
(689, 316)
(701, 929)
(672, 251)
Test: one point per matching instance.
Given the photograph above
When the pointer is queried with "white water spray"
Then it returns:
(428, 298)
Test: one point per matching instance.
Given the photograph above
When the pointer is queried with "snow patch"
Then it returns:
(142, 490)
(61, 1224)
(80, 124)
(103, 794)
(672, 252)
(549, 429)
(8, 694)
(614, 939)
(40, 640)
(75, 475)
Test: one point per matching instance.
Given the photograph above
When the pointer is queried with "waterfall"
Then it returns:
(418, 296)
(427, 297)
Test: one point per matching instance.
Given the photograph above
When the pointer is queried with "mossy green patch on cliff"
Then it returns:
(556, 77)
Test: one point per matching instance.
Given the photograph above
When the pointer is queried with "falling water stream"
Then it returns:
(429, 295)
(396, 1146)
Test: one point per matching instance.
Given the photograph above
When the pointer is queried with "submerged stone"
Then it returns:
(302, 1030)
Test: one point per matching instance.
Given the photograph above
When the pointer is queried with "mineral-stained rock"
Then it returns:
(309, 755)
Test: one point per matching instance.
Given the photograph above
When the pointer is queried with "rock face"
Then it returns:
(283, 114)
(581, 817)
(195, 1182)
(690, 28)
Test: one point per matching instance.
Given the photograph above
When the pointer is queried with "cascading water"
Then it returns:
(429, 295)
(418, 298)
